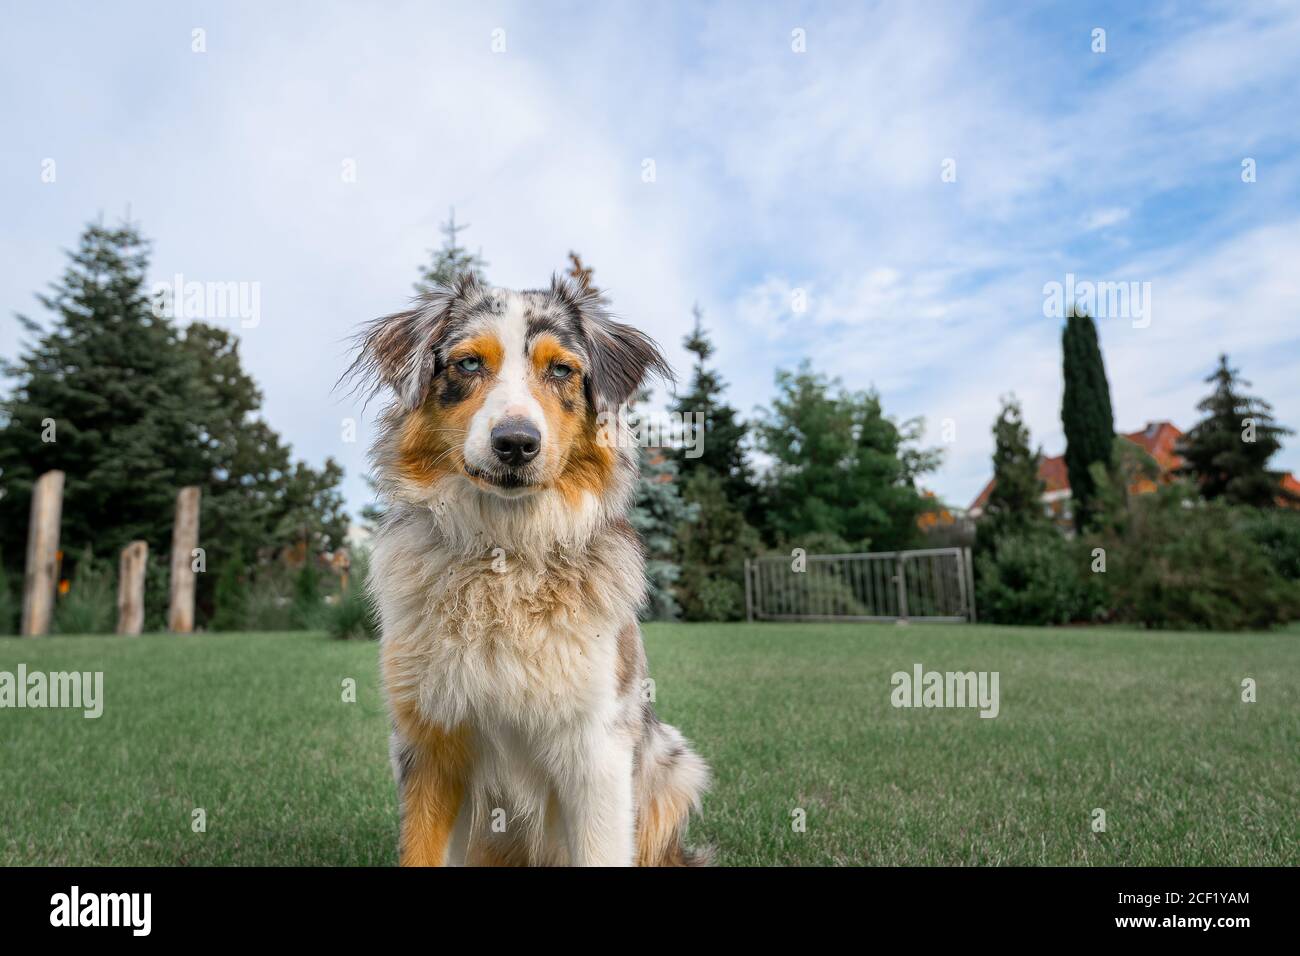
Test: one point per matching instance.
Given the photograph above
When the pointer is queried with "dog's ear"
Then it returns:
(620, 357)
(401, 350)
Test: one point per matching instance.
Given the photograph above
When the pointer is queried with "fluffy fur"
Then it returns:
(523, 733)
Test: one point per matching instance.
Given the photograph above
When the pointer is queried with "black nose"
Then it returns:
(516, 441)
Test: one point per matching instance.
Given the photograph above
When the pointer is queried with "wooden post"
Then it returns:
(185, 538)
(130, 587)
(42, 554)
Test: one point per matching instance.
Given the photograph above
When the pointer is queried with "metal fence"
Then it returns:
(935, 584)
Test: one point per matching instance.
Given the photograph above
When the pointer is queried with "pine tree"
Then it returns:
(1014, 505)
(1227, 453)
(1085, 413)
(721, 447)
(451, 260)
(131, 409)
(712, 550)
(719, 483)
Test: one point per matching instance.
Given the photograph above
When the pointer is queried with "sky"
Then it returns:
(883, 189)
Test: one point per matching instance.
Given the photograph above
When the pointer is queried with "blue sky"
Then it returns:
(775, 171)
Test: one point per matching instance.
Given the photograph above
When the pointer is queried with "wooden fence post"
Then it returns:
(185, 538)
(130, 587)
(42, 554)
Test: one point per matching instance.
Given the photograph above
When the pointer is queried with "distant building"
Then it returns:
(1158, 439)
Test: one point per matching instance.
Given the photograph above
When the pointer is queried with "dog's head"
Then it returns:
(505, 389)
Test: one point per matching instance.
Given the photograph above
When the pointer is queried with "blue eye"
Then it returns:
(469, 364)
(561, 371)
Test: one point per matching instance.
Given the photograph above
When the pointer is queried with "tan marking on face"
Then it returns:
(585, 464)
(486, 347)
(432, 439)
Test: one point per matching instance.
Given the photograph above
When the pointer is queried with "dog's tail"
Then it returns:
(671, 780)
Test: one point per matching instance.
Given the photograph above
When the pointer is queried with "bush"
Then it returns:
(1035, 577)
(1277, 532)
(308, 608)
(1179, 562)
(230, 597)
(8, 605)
(269, 605)
(353, 614)
(90, 606)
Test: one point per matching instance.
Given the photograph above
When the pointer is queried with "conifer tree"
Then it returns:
(1015, 501)
(1085, 413)
(1227, 453)
(132, 408)
(451, 259)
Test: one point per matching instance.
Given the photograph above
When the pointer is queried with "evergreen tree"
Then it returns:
(719, 483)
(1015, 502)
(1085, 412)
(657, 513)
(1227, 453)
(451, 259)
(712, 550)
(841, 469)
(132, 408)
(721, 447)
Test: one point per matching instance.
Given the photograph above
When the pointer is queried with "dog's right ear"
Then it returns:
(401, 350)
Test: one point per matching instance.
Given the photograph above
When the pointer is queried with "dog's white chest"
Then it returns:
(516, 645)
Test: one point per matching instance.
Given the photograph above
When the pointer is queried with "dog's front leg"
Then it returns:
(596, 799)
(432, 765)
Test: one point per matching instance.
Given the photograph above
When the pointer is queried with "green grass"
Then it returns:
(252, 728)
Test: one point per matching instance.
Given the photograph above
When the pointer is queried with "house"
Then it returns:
(1157, 439)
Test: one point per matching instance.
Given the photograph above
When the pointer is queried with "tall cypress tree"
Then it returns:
(1227, 453)
(1085, 412)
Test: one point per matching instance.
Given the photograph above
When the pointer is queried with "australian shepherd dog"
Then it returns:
(508, 581)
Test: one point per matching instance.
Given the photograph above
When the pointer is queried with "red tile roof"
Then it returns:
(1158, 439)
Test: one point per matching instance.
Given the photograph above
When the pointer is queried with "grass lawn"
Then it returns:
(252, 728)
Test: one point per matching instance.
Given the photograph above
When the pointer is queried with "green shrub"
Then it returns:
(230, 596)
(1277, 532)
(8, 605)
(353, 614)
(308, 608)
(90, 606)
(270, 605)
(1178, 562)
(1035, 577)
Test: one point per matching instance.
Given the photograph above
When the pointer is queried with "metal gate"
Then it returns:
(934, 584)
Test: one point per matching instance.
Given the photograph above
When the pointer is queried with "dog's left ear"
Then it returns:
(620, 357)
